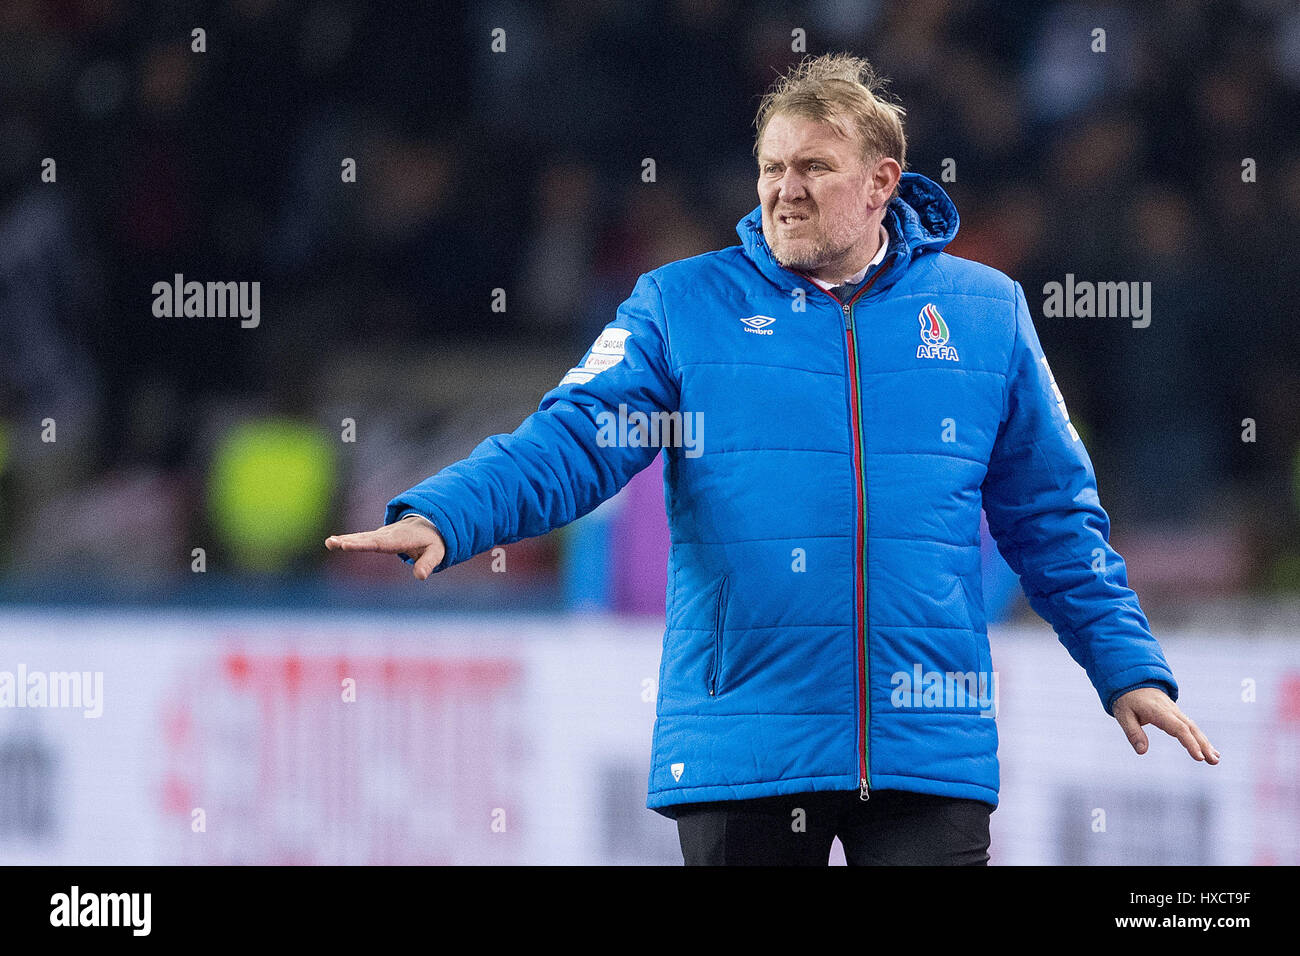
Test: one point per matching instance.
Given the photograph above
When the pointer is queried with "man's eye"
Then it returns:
(816, 166)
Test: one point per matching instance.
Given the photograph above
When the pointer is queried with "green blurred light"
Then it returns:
(1083, 428)
(269, 491)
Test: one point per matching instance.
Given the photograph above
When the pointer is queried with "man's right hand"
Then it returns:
(413, 536)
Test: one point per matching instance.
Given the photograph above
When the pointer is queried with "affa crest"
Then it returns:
(934, 336)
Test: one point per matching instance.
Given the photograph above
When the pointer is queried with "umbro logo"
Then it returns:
(758, 324)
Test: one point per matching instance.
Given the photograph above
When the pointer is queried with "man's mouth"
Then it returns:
(791, 219)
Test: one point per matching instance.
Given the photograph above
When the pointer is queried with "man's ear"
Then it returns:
(884, 180)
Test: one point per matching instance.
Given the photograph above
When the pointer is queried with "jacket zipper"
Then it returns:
(860, 543)
(718, 614)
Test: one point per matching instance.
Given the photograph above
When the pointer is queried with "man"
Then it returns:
(865, 393)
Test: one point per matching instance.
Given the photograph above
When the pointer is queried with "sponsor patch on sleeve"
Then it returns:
(606, 352)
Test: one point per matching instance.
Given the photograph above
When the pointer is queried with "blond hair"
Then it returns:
(836, 88)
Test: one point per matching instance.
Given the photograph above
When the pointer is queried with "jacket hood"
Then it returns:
(920, 220)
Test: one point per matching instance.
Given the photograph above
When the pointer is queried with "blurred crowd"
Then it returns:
(521, 169)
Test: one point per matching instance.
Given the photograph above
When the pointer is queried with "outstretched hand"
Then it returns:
(412, 536)
(1150, 705)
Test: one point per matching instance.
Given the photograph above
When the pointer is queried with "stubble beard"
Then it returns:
(805, 255)
(811, 253)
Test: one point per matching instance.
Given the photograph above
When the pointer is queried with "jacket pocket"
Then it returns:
(719, 620)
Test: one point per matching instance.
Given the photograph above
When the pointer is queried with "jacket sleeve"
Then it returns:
(1040, 495)
(565, 458)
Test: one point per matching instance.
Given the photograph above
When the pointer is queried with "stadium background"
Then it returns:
(505, 717)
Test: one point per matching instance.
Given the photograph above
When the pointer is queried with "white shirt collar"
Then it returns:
(862, 274)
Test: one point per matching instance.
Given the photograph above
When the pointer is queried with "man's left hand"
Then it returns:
(1150, 705)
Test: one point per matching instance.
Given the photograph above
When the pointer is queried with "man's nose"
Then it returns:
(791, 187)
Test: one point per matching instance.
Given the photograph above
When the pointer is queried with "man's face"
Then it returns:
(822, 205)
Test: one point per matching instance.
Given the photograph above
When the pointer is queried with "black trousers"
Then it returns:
(892, 828)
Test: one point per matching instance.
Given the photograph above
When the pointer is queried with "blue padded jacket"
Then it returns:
(825, 626)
